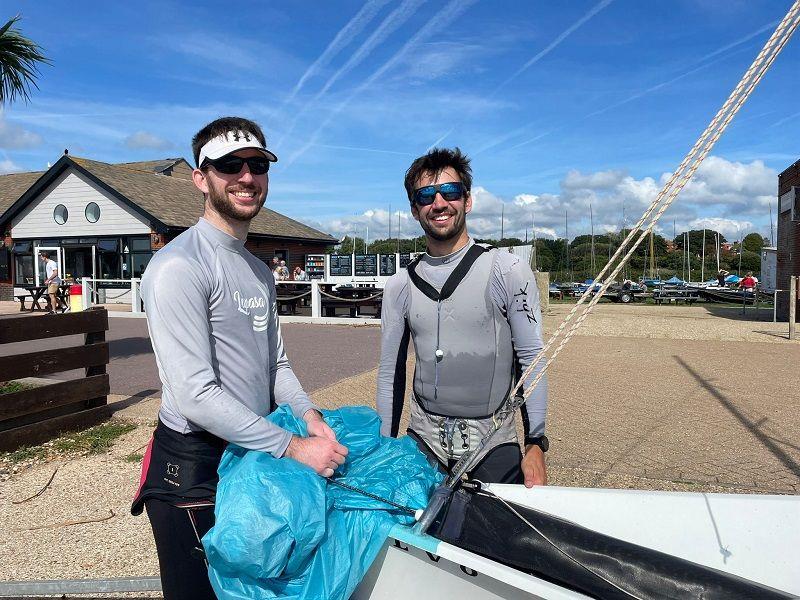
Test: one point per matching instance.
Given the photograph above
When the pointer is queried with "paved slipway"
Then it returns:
(662, 398)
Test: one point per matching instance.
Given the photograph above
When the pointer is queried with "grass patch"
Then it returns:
(8, 387)
(23, 454)
(94, 440)
(134, 457)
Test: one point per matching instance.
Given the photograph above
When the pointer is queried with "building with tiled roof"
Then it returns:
(106, 220)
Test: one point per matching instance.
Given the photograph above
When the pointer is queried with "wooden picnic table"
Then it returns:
(35, 293)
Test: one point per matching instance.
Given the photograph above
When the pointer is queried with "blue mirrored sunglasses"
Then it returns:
(450, 191)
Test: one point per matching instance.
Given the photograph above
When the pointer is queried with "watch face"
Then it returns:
(544, 444)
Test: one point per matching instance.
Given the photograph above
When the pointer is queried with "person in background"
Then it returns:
(52, 280)
(283, 271)
(748, 283)
(721, 277)
(299, 274)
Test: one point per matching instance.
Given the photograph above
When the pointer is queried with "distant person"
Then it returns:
(283, 271)
(213, 322)
(749, 282)
(473, 313)
(52, 280)
(299, 274)
(721, 277)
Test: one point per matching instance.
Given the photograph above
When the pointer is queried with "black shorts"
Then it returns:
(178, 487)
(500, 465)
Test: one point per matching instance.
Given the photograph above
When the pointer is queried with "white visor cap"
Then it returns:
(229, 142)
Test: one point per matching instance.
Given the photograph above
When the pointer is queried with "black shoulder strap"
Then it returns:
(456, 277)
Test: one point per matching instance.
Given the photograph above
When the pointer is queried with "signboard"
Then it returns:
(341, 265)
(366, 265)
(405, 258)
(388, 264)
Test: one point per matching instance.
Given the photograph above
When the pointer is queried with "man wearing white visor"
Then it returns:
(214, 328)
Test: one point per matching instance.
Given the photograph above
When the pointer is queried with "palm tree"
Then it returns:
(19, 58)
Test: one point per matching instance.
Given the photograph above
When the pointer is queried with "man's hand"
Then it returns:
(317, 426)
(533, 467)
(320, 453)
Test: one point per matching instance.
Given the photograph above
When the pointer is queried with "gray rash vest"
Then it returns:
(492, 319)
(214, 328)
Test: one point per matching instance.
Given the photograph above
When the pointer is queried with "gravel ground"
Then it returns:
(672, 398)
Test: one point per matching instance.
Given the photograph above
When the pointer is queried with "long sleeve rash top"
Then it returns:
(512, 289)
(214, 328)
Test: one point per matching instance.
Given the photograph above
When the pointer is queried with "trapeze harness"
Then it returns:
(464, 358)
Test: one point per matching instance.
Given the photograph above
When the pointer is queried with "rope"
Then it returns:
(373, 496)
(665, 197)
(287, 298)
(378, 295)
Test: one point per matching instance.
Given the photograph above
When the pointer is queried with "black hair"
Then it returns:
(44, 253)
(436, 161)
(221, 126)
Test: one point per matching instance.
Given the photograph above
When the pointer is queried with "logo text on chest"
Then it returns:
(245, 305)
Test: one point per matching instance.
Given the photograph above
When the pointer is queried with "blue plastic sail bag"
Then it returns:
(282, 531)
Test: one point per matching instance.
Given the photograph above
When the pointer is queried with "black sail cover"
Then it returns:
(581, 559)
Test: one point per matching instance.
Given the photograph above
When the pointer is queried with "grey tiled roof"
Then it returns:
(172, 200)
(12, 186)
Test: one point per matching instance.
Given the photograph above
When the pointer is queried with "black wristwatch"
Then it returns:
(538, 440)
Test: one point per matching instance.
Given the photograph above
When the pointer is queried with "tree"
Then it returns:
(753, 242)
(19, 63)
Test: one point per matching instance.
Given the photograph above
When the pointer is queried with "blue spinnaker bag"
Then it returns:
(281, 531)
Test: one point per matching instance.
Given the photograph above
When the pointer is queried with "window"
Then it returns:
(138, 255)
(92, 212)
(109, 265)
(108, 245)
(23, 264)
(60, 214)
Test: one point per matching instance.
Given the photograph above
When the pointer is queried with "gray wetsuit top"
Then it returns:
(488, 328)
(214, 328)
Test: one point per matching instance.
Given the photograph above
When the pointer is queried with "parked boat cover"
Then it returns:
(282, 532)
(583, 560)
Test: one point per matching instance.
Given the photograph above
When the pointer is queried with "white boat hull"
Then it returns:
(752, 536)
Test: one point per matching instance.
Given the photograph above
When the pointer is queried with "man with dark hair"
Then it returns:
(473, 314)
(213, 323)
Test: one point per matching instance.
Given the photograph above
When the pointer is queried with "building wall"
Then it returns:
(788, 254)
(75, 191)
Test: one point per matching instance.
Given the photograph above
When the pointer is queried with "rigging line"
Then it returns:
(508, 505)
(718, 119)
(352, 488)
(718, 125)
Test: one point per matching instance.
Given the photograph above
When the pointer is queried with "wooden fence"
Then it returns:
(36, 415)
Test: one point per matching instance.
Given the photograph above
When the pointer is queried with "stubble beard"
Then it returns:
(223, 205)
(459, 223)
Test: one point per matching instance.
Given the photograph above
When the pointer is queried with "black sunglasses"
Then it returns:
(230, 165)
(450, 191)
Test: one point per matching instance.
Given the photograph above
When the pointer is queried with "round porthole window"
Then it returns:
(92, 212)
(60, 214)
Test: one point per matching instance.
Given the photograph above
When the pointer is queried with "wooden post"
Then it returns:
(792, 304)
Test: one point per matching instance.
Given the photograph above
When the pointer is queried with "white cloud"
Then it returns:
(720, 196)
(14, 137)
(146, 140)
(7, 166)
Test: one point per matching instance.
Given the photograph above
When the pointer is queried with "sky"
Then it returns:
(566, 108)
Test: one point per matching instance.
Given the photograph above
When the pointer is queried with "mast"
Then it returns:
(502, 219)
(566, 240)
(688, 256)
(591, 221)
(703, 263)
(771, 238)
(683, 258)
(717, 232)
(652, 257)
(398, 232)
(533, 233)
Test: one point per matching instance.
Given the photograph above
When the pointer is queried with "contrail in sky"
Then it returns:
(347, 33)
(564, 35)
(394, 20)
(442, 19)
(669, 82)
